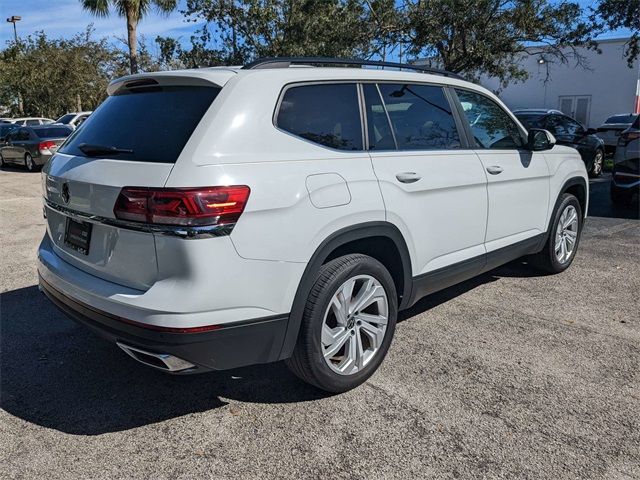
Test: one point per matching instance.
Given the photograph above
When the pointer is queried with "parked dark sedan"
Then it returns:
(33, 146)
(625, 180)
(568, 132)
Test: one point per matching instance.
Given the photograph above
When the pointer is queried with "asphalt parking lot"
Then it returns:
(511, 375)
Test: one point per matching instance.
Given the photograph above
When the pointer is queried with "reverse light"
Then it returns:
(182, 206)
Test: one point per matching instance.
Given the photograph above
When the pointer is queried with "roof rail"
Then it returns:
(285, 62)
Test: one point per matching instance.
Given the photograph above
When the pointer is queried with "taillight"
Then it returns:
(182, 206)
(46, 145)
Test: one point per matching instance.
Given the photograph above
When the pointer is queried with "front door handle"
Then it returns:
(408, 177)
(494, 169)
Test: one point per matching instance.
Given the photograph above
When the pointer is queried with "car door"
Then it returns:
(9, 149)
(20, 145)
(518, 179)
(434, 189)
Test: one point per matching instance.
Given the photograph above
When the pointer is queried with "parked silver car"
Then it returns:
(33, 146)
(31, 121)
(611, 129)
(73, 119)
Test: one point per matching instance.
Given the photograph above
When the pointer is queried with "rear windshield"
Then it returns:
(147, 125)
(4, 129)
(53, 132)
(621, 119)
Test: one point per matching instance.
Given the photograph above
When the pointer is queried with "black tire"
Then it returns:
(2, 162)
(307, 361)
(546, 259)
(29, 164)
(597, 165)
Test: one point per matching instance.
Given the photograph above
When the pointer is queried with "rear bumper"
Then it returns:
(230, 346)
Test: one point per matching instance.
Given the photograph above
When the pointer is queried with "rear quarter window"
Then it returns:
(327, 114)
(154, 122)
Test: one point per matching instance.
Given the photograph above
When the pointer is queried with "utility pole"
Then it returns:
(14, 19)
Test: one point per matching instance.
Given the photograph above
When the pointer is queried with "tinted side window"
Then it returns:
(327, 114)
(33, 122)
(421, 117)
(491, 126)
(23, 134)
(380, 134)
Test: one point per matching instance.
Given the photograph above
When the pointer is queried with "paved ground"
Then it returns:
(511, 375)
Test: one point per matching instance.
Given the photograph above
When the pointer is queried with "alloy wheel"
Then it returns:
(597, 163)
(28, 162)
(355, 324)
(566, 234)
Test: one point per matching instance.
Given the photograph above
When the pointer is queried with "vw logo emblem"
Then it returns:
(65, 192)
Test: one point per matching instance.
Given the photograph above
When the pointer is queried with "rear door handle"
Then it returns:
(494, 169)
(408, 177)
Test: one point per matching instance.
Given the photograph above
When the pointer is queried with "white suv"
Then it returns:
(214, 218)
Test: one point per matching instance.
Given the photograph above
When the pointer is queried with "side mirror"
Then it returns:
(540, 140)
(591, 131)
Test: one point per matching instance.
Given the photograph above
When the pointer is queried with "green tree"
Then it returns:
(241, 30)
(616, 14)
(476, 37)
(133, 11)
(54, 76)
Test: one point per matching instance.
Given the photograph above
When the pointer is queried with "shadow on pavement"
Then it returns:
(600, 204)
(57, 374)
(18, 169)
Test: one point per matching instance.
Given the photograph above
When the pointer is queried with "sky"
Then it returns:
(64, 18)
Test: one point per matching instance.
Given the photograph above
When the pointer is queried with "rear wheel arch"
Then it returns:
(380, 240)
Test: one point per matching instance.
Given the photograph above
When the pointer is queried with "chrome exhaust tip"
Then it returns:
(161, 361)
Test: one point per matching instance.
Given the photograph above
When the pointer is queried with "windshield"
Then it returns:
(529, 121)
(66, 118)
(146, 125)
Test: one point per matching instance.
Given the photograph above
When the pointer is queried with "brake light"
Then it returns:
(182, 206)
(46, 145)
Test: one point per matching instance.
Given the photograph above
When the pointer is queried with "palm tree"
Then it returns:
(133, 11)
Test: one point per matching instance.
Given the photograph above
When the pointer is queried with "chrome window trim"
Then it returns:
(205, 231)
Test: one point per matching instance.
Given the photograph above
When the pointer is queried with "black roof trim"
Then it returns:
(285, 62)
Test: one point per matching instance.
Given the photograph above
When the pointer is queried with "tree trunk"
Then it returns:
(132, 24)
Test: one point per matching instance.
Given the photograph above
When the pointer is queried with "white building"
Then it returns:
(606, 87)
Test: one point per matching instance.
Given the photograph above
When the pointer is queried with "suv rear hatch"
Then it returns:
(133, 139)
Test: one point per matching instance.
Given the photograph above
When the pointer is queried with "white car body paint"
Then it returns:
(301, 194)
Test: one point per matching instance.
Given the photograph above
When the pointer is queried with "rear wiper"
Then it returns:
(96, 150)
